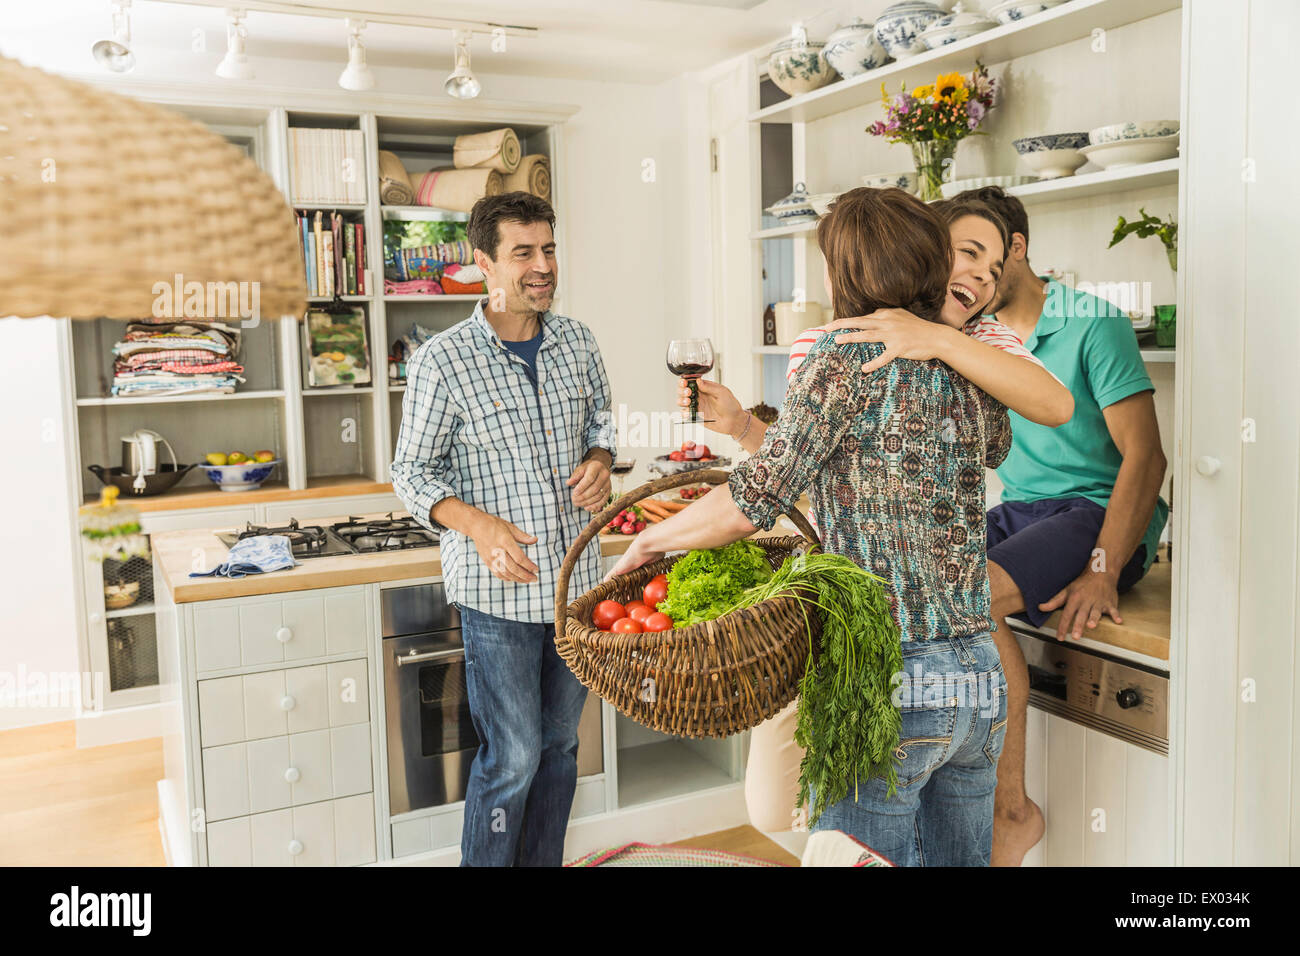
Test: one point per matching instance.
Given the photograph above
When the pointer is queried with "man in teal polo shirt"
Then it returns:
(1081, 511)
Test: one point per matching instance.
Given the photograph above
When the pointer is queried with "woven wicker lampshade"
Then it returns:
(105, 199)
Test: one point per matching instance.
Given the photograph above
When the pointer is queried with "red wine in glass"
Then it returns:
(689, 359)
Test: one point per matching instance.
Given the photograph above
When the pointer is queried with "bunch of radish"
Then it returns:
(628, 521)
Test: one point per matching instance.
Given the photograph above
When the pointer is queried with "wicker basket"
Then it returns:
(712, 679)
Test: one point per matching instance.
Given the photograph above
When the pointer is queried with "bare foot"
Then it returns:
(1013, 837)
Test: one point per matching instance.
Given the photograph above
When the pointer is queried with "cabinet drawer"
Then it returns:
(330, 833)
(262, 775)
(280, 702)
(289, 628)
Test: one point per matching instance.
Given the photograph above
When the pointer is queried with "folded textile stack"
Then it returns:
(176, 358)
(532, 176)
(394, 184)
(463, 280)
(457, 189)
(498, 149)
(413, 287)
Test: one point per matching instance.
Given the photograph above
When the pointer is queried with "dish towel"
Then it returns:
(532, 176)
(261, 553)
(498, 149)
(457, 189)
(394, 184)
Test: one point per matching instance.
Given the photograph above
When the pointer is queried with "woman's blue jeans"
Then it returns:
(526, 705)
(952, 697)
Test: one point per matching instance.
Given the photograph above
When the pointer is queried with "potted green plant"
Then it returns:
(1167, 231)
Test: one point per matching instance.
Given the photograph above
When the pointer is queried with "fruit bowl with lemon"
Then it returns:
(236, 471)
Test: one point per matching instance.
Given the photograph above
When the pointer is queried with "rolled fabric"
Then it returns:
(395, 187)
(532, 176)
(497, 150)
(457, 189)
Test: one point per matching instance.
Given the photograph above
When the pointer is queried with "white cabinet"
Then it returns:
(1105, 801)
(278, 702)
(280, 629)
(261, 775)
(330, 833)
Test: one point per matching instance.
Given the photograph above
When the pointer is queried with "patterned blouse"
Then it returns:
(894, 464)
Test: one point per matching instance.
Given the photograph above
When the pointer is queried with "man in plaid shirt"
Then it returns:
(506, 439)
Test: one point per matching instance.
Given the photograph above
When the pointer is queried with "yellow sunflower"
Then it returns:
(951, 88)
(923, 92)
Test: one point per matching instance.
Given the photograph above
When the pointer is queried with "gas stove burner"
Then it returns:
(311, 541)
(384, 534)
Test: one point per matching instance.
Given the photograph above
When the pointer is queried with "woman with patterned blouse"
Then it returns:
(893, 461)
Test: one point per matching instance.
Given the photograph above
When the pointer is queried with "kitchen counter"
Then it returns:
(1145, 610)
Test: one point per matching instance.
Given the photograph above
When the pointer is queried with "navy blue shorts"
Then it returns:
(1044, 545)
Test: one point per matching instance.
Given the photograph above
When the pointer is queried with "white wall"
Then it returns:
(623, 271)
(38, 603)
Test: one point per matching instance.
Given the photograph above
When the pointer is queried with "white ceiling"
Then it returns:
(625, 40)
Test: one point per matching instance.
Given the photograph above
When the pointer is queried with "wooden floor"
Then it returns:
(98, 806)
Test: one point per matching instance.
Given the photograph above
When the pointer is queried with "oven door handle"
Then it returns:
(404, 659)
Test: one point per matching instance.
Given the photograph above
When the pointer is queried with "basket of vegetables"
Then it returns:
(701, 677)
(712, 643)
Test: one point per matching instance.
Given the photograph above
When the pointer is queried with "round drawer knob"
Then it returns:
(284, 635)
(1208, 465)
(287, 702)
(292, 775)
(295, 847)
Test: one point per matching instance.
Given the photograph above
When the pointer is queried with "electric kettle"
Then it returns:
(140, 455)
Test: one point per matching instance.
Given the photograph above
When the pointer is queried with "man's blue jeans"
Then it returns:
(953, 702)
(526, 705)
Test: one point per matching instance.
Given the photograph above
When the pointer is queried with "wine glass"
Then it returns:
(620, 470)
(689, 359)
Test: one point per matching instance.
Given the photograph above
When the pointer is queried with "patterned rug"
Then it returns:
(646, 854)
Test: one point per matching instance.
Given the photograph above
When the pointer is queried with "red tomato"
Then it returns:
(658, 622)
(704, 451)
(639, 613)
(606, 613)
(676, 456)
(656, 590)
(625, 625)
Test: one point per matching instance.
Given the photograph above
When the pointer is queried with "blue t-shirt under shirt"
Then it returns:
(527, 350)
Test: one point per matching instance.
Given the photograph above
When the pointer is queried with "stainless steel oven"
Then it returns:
(430, 734)
(1122, 698)
(431, 739)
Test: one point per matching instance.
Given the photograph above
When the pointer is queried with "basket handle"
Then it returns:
(712, 476)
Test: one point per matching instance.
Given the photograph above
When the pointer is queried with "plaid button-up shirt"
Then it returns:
(474, 427)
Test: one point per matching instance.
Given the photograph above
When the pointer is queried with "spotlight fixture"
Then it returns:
(357, 75)
(462, 84)
(115, 55)
(235, 65)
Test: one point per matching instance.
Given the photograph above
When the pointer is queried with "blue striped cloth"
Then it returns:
(474, 428)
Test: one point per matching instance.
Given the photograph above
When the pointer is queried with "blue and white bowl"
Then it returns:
(1012, 10)
(900, 27)
(904, 181)
(799, 66)
(957, 25)
(242, 477)
(1138, 129)
(853, 49)
(1054, 155)
(794, 208)
(1038, 144)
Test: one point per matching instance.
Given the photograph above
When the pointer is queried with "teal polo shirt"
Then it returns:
(1089, 344)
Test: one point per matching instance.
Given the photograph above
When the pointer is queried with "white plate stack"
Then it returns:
(1132, 143)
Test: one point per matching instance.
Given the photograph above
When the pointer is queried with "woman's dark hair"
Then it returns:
(490, 211)
(950, 210)
(1011, 209)
(884, 248)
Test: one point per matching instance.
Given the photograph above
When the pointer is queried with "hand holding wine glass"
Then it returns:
(691, 358)
(719, 407)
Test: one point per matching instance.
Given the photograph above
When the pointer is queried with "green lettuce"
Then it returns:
(704, 585)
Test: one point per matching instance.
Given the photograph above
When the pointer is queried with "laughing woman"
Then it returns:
(979, 347)
(893, 460)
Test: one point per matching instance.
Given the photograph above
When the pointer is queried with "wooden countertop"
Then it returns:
(210, 496)
(1145, 610)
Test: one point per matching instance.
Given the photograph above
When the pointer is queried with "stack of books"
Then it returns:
(334, 253)
(327, 165)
